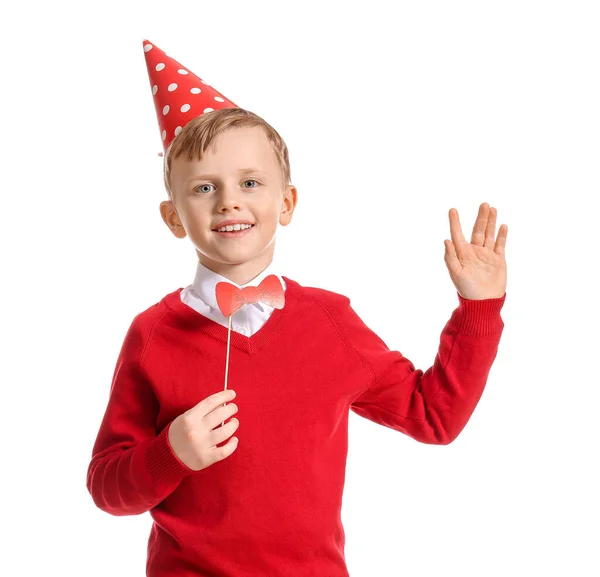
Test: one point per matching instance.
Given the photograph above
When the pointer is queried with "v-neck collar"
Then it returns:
(250, 345)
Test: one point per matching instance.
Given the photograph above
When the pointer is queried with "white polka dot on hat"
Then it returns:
(178, 97)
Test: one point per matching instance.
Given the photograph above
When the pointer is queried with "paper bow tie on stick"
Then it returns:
(231, 298)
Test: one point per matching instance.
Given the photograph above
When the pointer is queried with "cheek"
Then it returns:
(272, 213)
(200, 219)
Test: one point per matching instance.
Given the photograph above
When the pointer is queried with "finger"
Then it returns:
(223, 433)
(205, 406)
(501, 240)
(219, 415)
(220, 453)
(456, 234)
(479, 228)
(451, 259)
(490, 230)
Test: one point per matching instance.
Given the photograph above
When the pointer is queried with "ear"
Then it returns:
(171, 218)
(290, 198)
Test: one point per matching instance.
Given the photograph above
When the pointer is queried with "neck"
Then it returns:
(241, 273)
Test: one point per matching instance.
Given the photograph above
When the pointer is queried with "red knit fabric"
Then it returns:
(273, 506)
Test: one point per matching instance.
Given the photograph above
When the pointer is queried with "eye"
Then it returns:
(197, 189)
(252, 181)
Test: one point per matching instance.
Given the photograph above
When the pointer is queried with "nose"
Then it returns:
(228, 199)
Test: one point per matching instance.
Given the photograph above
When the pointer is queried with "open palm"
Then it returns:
(478, 268)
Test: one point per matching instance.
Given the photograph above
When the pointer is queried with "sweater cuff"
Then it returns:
(163, 464)
(478, 317)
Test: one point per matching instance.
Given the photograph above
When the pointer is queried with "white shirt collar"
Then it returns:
(206, 280)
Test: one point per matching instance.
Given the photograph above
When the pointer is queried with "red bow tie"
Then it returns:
(230, 298)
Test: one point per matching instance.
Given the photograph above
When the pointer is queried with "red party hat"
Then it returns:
(179, 95)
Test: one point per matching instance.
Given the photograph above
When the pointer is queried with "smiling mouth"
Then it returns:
(234, 233)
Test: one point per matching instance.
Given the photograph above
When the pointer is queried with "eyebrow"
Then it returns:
(214, 176)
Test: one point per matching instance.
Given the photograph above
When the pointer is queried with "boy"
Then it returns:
(269, 504)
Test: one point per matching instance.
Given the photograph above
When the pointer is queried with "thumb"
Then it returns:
(450, 257)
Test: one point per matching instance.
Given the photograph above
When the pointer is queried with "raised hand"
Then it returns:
(478, 268)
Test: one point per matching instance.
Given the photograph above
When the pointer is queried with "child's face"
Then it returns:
(215, 189)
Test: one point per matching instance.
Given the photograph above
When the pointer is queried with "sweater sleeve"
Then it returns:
(433, 406)
(133, 467)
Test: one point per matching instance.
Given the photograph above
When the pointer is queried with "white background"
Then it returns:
(393, 113)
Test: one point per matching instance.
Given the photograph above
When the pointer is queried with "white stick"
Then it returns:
(227, 359)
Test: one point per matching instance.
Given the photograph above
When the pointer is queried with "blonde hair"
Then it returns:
(197, 135)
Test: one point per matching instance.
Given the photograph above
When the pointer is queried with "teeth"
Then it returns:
(234, 227)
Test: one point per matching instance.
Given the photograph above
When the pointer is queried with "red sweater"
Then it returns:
(273, 506)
